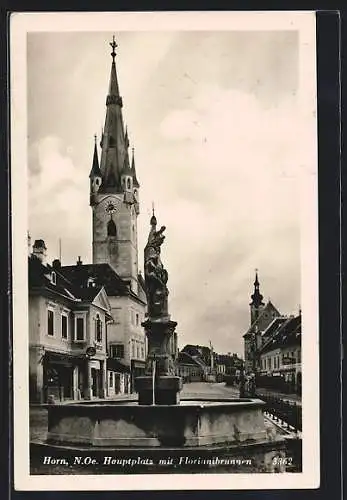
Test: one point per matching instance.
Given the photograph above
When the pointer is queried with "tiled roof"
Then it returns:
(39, 276)
(186, 359)
(103, 274)
(287, 334)
(268, 306)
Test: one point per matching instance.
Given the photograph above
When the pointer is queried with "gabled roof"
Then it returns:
(274, 325)
(40, 277)
(186, 359)
(103, 275)
(287, 334)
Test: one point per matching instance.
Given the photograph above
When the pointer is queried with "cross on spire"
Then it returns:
(114, 46)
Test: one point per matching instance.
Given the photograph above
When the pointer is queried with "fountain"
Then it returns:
(159, 423)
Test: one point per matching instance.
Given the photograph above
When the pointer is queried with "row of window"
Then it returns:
(274, 362)
(80, 327)
(137, 350)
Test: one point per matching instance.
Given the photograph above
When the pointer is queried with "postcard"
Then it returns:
(165, 250)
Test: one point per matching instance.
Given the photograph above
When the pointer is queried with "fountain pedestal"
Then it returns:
(160, 385)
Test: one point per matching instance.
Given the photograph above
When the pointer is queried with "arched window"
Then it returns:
(53, 278)
(111, 228)
(98, 327)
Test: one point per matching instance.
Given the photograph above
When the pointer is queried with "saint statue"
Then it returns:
(156, 275)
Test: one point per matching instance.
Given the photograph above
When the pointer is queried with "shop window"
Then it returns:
(117, 351)
(50, 322)
(64, 333)
(79, 336)
(111, 379)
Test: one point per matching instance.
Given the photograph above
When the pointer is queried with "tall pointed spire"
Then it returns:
(126, 140)
(133, 170)
(114, 156)
(256, 297)
(95, 170)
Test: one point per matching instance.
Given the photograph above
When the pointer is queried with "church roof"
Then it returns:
(114, 141)
(95, 170)
(133, 170)
(268, 307)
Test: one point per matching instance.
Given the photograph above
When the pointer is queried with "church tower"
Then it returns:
(257, 304)
(114, 191)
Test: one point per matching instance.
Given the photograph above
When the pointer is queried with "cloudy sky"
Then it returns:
(215, 121)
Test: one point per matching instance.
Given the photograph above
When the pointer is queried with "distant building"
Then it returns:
(272, 345)
(190, 368)
(280, 356)
(209, 362)
(262, 316)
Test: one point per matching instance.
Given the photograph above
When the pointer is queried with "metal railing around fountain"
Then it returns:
(286, 411)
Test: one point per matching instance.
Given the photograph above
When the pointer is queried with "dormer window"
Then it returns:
(53, 278)
(91, 282)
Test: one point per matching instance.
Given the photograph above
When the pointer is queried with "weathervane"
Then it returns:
(113, 45)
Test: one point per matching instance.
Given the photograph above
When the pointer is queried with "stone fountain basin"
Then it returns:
(194, 422)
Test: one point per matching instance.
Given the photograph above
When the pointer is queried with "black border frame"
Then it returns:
(330, 238)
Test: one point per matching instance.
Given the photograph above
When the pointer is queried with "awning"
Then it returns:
(138, 364)
(116, 366)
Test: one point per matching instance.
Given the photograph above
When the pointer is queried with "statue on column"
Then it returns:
(156, 275)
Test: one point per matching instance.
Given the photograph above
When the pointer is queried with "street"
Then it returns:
(206, 389)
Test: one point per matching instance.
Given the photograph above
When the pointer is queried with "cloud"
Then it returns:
(227, 192)
(58, 199)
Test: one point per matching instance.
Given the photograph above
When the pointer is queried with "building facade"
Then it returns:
(280, 357)
(272, 345)
(67, 334)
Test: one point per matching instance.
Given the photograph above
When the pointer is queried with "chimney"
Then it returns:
(79, 262)
(29, 244)
(40, 250)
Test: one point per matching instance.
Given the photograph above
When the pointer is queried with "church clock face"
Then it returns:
(110, 207)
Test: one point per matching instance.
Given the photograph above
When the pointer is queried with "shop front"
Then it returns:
(137, 370)
(60, 376)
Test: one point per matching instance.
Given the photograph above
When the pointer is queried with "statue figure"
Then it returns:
(156, 275)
